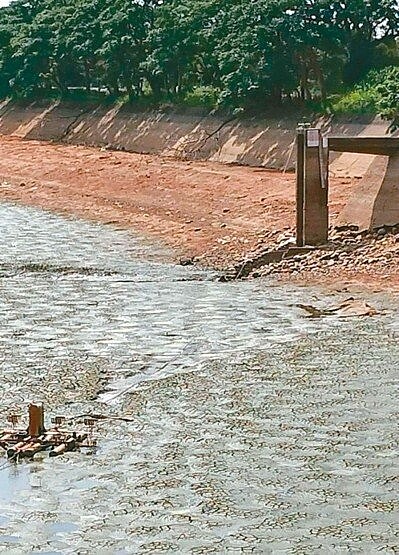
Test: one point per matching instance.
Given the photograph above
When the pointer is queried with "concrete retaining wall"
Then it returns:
(190, 135)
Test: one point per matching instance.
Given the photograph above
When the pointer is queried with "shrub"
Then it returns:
(378, 93)
(206, 97)
(387, 87)
(357, 101)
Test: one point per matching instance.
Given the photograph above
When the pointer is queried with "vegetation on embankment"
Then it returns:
(377, 94)
(237, 55)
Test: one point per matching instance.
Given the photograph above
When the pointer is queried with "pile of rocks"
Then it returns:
(348, 252)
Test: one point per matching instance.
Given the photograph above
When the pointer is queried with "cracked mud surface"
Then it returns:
(268, 432)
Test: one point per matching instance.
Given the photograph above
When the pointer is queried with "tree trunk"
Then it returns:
(87, 76)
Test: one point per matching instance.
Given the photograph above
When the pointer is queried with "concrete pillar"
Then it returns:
(316, 191)
(312, 188)
(300, 183)
(386, 204)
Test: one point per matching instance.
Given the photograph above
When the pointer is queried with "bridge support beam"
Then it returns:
(375, 202)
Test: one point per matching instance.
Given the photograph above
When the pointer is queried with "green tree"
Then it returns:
(256, 53)
(364, 23)
(176, 48)
(124, 30)
(80, 36)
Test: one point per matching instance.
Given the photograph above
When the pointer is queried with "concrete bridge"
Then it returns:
(375, 202)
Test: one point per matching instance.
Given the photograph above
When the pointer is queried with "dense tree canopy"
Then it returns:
(248, 52)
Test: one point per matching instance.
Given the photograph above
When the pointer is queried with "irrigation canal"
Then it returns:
(266, 432)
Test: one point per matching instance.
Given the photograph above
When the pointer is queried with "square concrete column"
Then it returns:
(312, 188)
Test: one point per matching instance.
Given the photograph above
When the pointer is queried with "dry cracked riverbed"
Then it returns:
(266, 433)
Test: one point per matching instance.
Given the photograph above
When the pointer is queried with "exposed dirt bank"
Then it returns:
(212, 213)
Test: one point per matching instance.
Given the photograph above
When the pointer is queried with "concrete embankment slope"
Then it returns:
(196, 135)
(189, 134)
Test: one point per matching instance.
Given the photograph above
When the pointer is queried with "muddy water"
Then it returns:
(265, 433)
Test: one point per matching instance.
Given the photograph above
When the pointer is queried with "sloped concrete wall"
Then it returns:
(375, 202)
(267, 142)
(194, 135)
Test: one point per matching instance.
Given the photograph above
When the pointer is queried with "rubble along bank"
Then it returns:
(350, 258)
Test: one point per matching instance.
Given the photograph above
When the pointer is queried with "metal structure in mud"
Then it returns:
(26, 443)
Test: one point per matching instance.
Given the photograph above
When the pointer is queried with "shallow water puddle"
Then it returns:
(253, 427)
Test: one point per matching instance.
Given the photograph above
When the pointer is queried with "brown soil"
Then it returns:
(213, 213)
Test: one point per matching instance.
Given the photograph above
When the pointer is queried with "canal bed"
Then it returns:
(253, 429)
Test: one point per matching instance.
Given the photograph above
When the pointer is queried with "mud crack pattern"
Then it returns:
(268, 434)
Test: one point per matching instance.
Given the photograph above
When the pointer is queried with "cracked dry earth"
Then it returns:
(266, 433)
